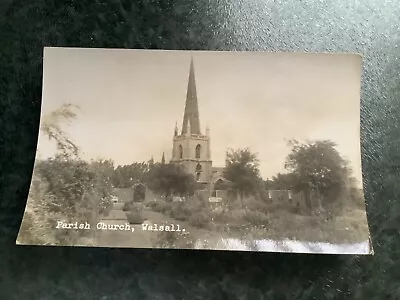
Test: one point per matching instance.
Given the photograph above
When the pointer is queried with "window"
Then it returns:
(219, 184)
(198, 172)
(180, 151)
(198, 149)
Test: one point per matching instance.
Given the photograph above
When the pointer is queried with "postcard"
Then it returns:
(205, 150)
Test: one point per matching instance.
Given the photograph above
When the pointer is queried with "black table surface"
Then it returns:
(369, 27)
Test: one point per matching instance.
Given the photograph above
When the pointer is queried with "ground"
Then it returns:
(342, 230)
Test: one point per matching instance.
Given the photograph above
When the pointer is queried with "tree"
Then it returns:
(103, 171)
(170, 179)
(242, 170)
(281, 181)
(127, 175)
(318, 167)
(64, 187)
(51, 126)
(139, 192)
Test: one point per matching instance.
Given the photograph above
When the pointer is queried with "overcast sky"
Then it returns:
(131, 99)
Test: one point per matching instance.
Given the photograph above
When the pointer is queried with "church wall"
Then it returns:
(206, 167)
(189, 159)
(203, 195)
(287, 198)
(221, 194)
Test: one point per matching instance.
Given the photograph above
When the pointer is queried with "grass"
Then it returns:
(344, 229)
(261, 220)
(192, 212)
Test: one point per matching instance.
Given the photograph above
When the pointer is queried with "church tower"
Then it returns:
(191, 149)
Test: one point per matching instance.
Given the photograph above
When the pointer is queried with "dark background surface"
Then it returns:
(368, 27)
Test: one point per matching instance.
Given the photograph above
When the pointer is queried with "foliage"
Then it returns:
(103, 170)
(64, 190)
(36, 223)
(139, 192)
(180, 211)
(199, 219)
(317, 166)
(127, 206)
(126, 176)
(174, 240)
(281, 181)
(256, 218)
(160, 206)
(51, 126)
(134, 217)
(66, 273)
(64, 187)
(242, 171)
(170, 179)
(256, 204)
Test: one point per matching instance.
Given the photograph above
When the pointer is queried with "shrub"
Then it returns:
(160, 206)
(139, 193)
(135, 217)
(255, 218)
(177, 240)
(65, 189)
(200, 219)
(127, 206)
(180, 211)
(256, 204)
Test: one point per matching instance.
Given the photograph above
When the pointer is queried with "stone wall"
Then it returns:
(203, 195)
(222, 194)
(286, 198)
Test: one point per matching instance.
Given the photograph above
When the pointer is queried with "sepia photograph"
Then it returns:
(202, 150)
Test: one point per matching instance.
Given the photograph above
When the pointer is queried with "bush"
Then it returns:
(174, 240)
(200, 219)
(256, 205)
(135, 217)
(180, 211)
(160, 206)
(139, 193)
(127, 206)
(255, 218)
(64, 189)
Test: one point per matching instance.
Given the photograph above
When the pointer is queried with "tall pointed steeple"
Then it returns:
(191, 115)
(176, 129)
(163, 159)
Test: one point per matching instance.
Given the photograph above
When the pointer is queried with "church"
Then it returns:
(191, 148)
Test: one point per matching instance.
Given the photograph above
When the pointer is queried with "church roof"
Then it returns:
(191, 115)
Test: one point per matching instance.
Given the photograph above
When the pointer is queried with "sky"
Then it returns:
(130, 101)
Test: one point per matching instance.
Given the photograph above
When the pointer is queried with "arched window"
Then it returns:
(198, 172)
(219, 184)
(198, 168)
(198, 149)
(180, 151)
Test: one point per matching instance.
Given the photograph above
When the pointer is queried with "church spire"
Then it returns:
(191, 115)
(163, 159)
(176, 129)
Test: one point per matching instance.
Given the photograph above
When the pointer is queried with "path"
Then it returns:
(140, 238)
(123, 238)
